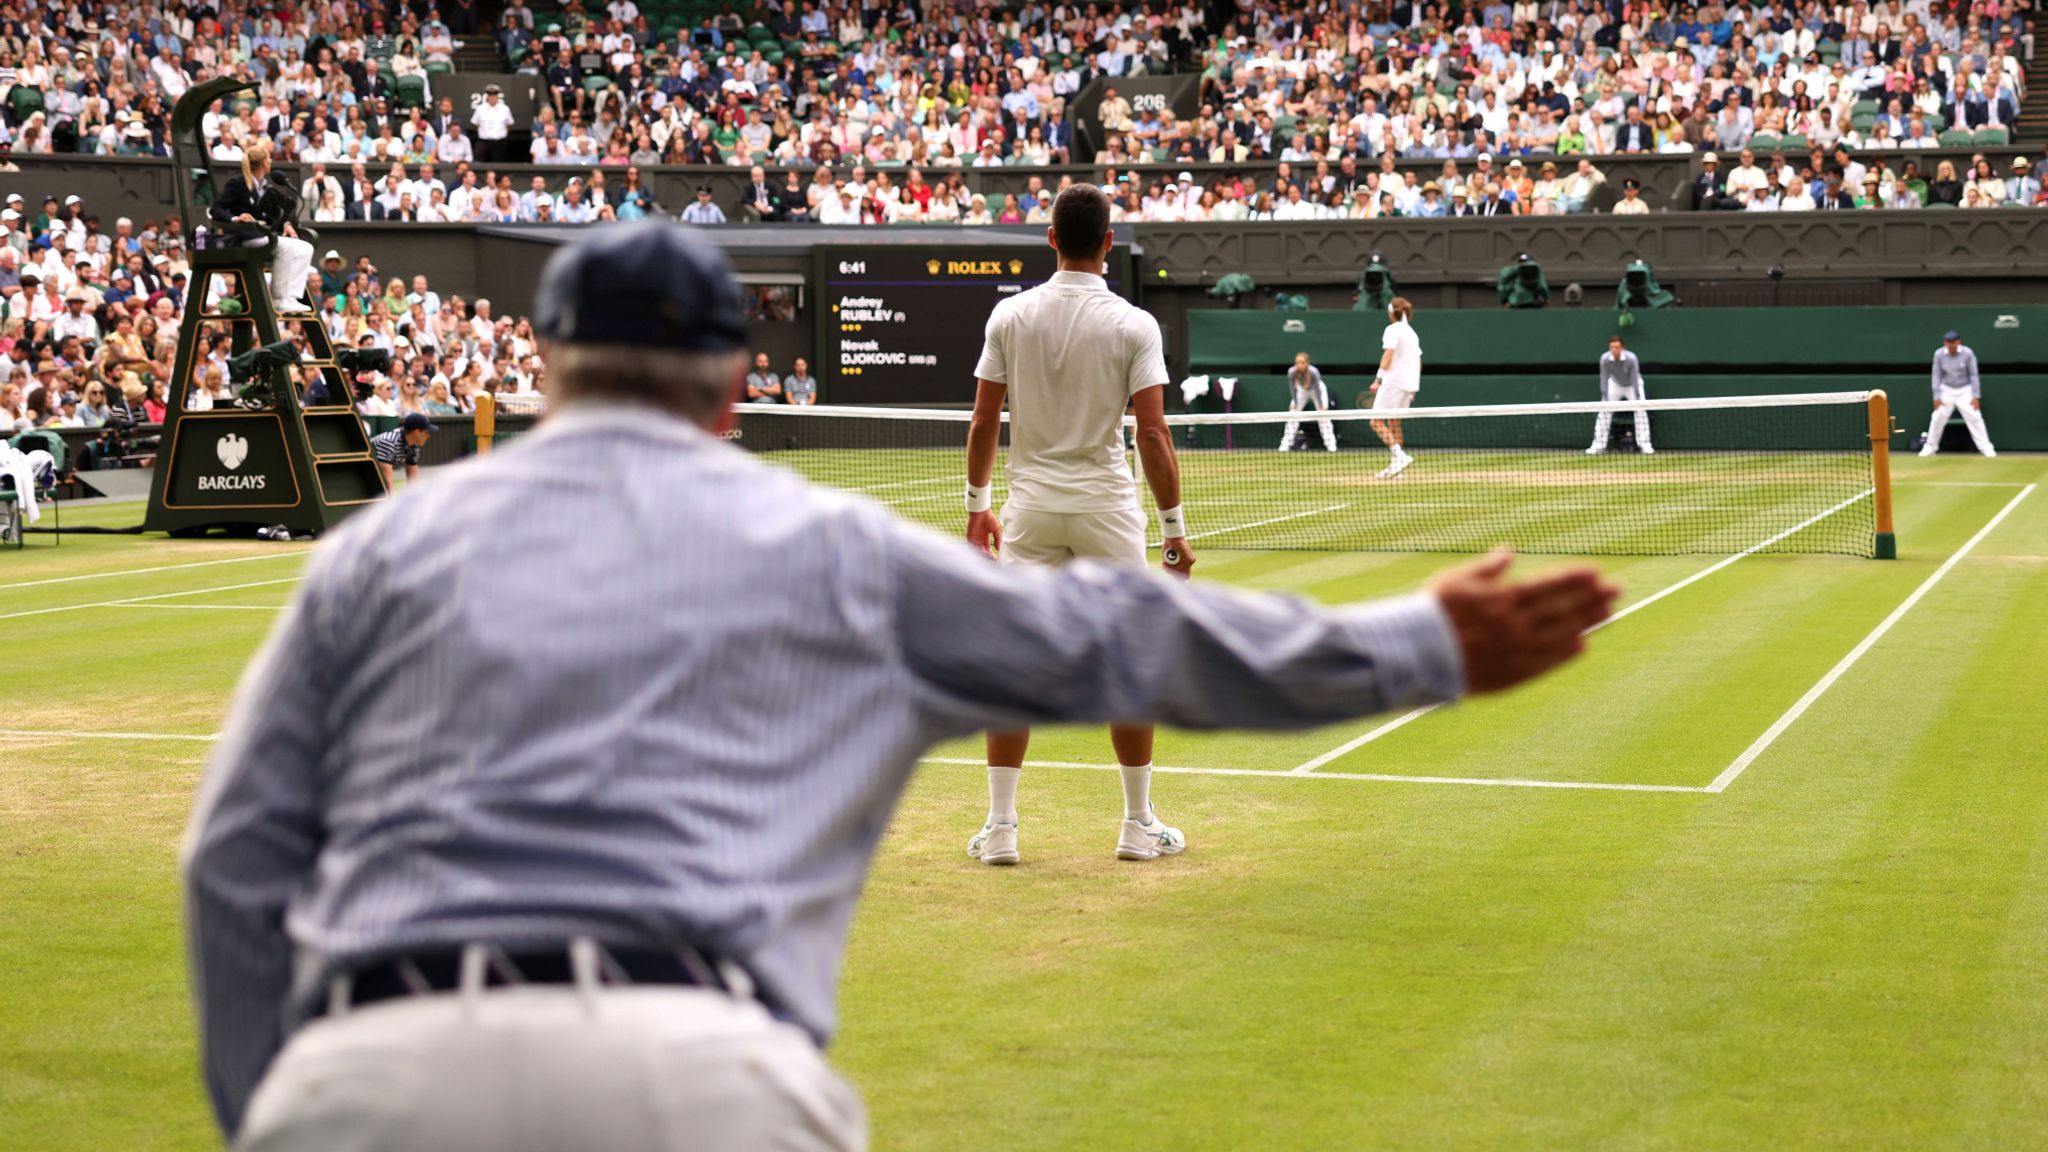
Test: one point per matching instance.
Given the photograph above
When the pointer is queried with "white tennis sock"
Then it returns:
(1137, 792)
(1002, 795)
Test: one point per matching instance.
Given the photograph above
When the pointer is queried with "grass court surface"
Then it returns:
(1630, 906)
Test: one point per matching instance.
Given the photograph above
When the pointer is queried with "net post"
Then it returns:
(486, 422)
(1887, 545)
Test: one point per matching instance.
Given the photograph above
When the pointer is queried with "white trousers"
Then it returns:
(547, 1068)
(1299, 402)
(1951, 400)
(1604, 422)
(288, 269)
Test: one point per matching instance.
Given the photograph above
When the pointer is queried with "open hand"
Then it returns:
(1515, 631)
(985, 532)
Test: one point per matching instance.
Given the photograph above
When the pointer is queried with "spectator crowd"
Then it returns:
(89, 320)
(883, 102)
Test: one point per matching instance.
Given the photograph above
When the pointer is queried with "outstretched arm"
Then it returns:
(1088, 643)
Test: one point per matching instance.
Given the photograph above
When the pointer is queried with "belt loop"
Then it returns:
(737, 981)
(475, 962)
(339, 990)
(584, 960)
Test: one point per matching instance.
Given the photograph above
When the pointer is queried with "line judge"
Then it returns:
(441, 894)
(1957, 386)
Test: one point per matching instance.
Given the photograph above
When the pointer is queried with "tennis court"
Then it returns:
(1683, 894)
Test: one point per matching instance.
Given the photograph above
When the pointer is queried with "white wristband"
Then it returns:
(1173, 523)
(980, 499)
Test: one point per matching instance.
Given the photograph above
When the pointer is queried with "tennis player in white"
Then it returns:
(1069, 356)
(1305, 391)
(1400, 377)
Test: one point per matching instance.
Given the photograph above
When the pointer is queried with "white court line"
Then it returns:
(139, 599)
(1483, 781)
(204, 607)
(24, 733)
(1263, 523)
(1356, 743)
(1961, 483)
(146, 571)
(1729, 774)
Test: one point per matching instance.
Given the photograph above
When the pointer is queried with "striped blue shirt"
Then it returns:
(622, 680)
(1957, 371)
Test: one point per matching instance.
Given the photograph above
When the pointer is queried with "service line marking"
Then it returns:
(205, 607)
(1762, 743)
(28, 734)
(1397, 722)
(132, 600)
(147, 571)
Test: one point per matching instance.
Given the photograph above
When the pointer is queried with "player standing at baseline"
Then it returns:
(1069, 356)
(1400, 377)
(1621, 380)
(1305, 391)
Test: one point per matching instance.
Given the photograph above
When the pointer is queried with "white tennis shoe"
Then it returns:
(1392, 470)
(1143, 841)
(1596, 449)
(995, 844)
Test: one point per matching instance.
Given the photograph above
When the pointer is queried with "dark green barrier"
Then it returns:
(1699, 340)
(2015, 406)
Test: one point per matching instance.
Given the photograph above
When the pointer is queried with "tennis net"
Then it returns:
(1794, 473)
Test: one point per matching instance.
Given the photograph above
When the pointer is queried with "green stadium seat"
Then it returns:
(24, 101)
(439, 68)
(1863, 122)
(1957, 138)
(412, 91)
(1794, 142)
(596, 83)
(1991, 138)
(1864, 108)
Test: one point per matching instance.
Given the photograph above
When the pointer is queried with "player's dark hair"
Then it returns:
(1080, 218)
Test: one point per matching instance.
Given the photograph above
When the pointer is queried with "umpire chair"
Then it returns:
(270, 459)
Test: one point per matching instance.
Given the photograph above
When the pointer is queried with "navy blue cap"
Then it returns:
(1952, 334)
(417, 422)
(647, 282)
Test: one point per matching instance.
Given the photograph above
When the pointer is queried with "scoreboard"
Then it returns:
(903, 323)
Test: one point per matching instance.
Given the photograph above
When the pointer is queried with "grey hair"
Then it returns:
(694, 385)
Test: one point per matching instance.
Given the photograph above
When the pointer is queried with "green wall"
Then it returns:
(1686, 353)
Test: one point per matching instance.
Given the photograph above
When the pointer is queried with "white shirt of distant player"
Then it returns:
(1071, 354)
(1405, 372)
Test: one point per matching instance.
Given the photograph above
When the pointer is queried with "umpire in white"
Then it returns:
(1621, 380)
(575, 877)
(1957, 387)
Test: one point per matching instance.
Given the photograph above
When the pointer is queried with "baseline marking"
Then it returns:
(1274, 773)
(160, 568)
(1356, 743)
(1762, 743)
(123, 603)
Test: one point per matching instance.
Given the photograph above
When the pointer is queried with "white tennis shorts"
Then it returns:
(1050, 539)
(1390, 396)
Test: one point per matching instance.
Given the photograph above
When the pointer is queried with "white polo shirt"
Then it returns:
(1406, 370)
(1071, 354)
(492, 121)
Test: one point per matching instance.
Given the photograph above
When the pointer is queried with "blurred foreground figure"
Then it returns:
(577, 877)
